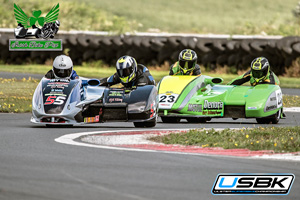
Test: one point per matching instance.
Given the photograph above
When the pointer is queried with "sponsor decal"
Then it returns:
(91, 119)
(279, 98)
(195, 107)
(253, 184)
(115, 100)
(115, 93)
(212, 105)
(272, 107)
(209, 112)
(35, 32)
(274, 101)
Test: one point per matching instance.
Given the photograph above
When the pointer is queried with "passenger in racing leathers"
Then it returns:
(259, 73)
(186, 64)
(129, 73)
(62, 68)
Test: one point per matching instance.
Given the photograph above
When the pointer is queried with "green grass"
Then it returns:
(206, 16)
(273, 17)
(291, 101)
(72, 15)
(16, 95)
(279, 139)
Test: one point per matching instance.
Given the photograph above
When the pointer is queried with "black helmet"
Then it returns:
(260, 68)
(187, 60)
(126, 68)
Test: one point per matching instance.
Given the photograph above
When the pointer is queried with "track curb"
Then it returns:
(137, 141)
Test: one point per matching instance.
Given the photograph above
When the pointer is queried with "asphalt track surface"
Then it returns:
(33, 166)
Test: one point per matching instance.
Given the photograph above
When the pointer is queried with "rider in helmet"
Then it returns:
(62, 68)
(186, 64)
(259, 73)
(129, 73)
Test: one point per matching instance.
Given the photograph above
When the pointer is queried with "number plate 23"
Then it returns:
(167, 101)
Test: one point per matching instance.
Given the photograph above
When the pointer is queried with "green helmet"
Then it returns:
(187, 60)
(260, 68)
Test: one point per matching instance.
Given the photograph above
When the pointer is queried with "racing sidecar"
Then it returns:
(69, 102)
(200, 98)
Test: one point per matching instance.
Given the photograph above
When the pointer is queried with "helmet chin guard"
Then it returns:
(62, 67)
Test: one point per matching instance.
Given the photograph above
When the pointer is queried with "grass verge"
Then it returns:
(291, 101)
(279, 139)
(16, 95)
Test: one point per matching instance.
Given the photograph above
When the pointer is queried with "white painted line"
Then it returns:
(291, 109)
(286, 156)
(70, 139)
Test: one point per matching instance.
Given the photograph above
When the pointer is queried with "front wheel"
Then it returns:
(147, 124)
(268, 120)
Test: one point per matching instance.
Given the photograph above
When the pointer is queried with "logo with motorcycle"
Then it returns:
(36, 32)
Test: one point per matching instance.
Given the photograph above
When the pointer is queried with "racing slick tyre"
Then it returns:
(170, 119)
(196, 120)
(59, 126)
(267, 120)
(275, 118)
(147, 124)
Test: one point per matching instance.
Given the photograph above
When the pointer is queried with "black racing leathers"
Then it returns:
(143, 77)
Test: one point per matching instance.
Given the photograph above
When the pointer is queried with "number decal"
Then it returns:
(171, 99)
(50, 100)
(162, 98)
(59, 100)
(167, 98)
(55, 100)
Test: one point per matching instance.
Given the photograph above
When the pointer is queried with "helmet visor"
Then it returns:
(62, 73)
(258, 73)
(186, 64)
(125, 72)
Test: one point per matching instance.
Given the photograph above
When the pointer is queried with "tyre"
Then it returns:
(147, 124)
(268, 120)
(59, 126)
(275, 119)
(263, 120)
(170, 119)
(196, 120)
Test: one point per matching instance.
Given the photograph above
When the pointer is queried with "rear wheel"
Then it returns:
(196, 120)
(170, 119)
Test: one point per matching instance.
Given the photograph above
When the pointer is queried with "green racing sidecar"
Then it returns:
(200, 98)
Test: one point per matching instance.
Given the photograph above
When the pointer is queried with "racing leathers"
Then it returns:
(271, 78)
(143, 77)
(175, 70)
(50, 75)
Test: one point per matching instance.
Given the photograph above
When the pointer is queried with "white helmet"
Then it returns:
(62, 67)
(126, 68)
